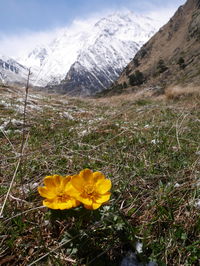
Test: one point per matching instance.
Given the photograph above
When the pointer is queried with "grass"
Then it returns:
(148, 147)
(178, 92)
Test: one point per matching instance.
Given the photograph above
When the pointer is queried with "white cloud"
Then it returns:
(162, 15)
(14, 45)
(17, 45)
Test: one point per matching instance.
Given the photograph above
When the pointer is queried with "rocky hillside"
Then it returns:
(11, 72)
(171, 56)
(116, 39)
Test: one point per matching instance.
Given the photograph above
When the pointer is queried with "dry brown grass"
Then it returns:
(117, 100)
(177, 92)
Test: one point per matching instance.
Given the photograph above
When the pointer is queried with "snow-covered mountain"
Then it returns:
(87, 60)
(11, 72)
(50, 63)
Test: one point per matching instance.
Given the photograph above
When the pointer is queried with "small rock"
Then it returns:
(67, 115)
(155, 141)
(177, 185)
(138, 247)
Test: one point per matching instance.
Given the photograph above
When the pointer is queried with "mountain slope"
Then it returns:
(88, 58)
(50, 63)
(117, 38)
(172, 55)
(11, 72)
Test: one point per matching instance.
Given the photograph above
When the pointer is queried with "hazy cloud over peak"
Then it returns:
(35, 28)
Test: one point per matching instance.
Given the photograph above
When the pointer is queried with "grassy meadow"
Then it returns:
(148, 146)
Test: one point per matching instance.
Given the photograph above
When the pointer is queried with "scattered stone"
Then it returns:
(177, 185)
(155, 141)
(138, 247)
(67, 115)
(197, 204)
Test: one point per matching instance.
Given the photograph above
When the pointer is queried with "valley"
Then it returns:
(120, 96)
(147, 145)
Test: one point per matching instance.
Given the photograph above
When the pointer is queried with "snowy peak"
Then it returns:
(39, 54)
(116, 39)
(120, 20)
(11, 72)
(101, 49)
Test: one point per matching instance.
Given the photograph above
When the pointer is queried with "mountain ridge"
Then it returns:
(98, 54)
(171, 57)
(11, 71)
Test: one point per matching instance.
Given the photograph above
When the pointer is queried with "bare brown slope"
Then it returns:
(172, 55)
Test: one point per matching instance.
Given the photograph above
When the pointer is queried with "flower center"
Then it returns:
(89, 189)
(61, 197)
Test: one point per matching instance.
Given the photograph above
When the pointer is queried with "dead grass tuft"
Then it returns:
(177, 92)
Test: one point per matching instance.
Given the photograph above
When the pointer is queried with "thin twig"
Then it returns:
(18, 199)
(5, 135)
(177, 129)
(24, 141)
(24, 126)
(24, 112)
(19, 214)
(12, 181)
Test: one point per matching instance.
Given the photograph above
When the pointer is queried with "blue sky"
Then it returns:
(40, 15)
(27, 23)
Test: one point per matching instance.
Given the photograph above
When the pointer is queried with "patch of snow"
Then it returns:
(139, 247)
(155, 141)
(147, 126)
(177, 185)
(29, 187)
(197, 204)
(67, 115)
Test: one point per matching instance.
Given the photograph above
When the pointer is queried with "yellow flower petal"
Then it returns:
(46, 193)
(103, 198)
(66, 180)
(58, 180)
(71, 191)
(67, 185)
(98, 176)
(75, 202)
(53, 181)
(56, 204)
(94, 206)
(78, 182)
(85, 200)
(87, 187)
(87, 175)
(50, 203)
(66, 205)
(103, 186)
(49, 182)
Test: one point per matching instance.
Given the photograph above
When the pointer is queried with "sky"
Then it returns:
(24, 23)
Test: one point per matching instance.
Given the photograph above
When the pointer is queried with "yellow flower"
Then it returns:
(58, 192)
(93, 188)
